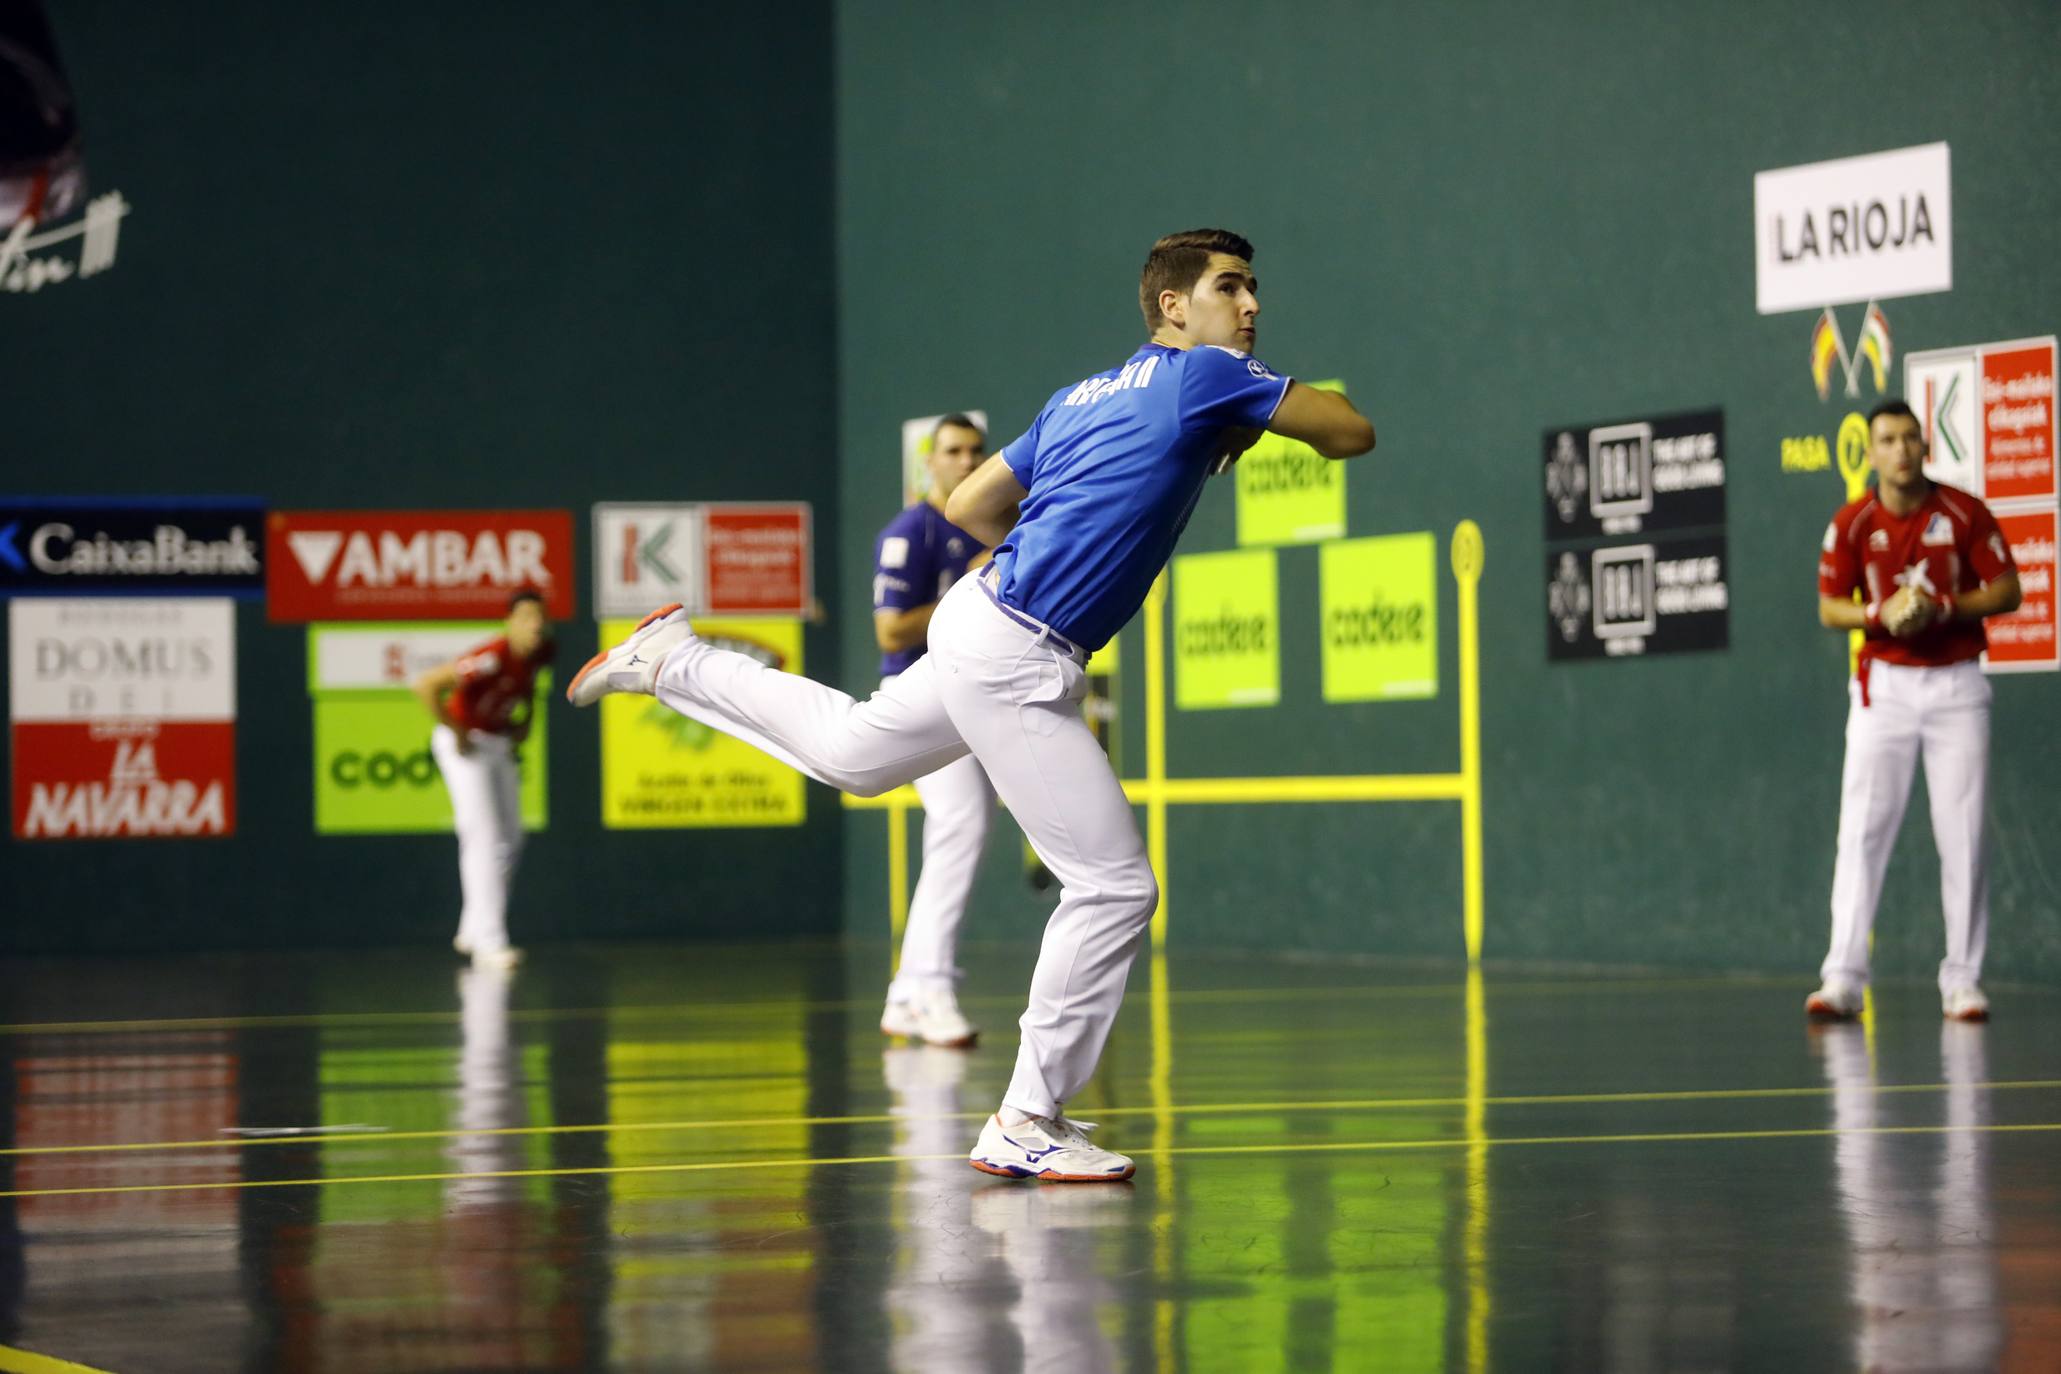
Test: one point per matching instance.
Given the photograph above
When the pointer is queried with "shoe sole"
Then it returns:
(916, 1037)
(1049, 1175)
(595, 662)
(1824, 1013)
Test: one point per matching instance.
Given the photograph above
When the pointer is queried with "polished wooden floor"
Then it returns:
(656, 1158)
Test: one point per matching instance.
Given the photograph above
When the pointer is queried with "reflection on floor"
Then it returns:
(696, 1158)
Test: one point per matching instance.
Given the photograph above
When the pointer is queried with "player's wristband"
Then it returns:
(1873, 615)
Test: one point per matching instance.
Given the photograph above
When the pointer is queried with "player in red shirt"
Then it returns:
(482, 702)
(1918, 688)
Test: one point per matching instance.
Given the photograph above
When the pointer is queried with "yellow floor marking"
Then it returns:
(14, 1361)
(1283, 1148)
(1361, 1104)
(788, 1006)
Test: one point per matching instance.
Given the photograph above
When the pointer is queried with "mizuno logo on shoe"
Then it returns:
(1033, 1155)
(633, 660)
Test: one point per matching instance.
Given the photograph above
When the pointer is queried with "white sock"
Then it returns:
(1010, 1116)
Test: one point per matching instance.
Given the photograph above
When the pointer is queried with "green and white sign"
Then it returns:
(373, 771)
(1227, 630)
(1380, 618)
(1288, 493)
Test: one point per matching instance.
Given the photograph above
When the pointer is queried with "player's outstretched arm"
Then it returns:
(1998, 596)
(896, 630)
(1325, 420)
(985, 504)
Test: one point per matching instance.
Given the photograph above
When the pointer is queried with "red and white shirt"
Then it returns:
(1949, 544)
(496, 690)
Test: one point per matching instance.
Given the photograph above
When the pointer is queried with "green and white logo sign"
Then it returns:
(1288, 493)
(374, 774)
(1380, 618)
(1227, 630)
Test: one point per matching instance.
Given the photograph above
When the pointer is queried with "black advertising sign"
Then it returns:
(1635, 537)
(1635, 476)
(1630, 600)
(132, 546)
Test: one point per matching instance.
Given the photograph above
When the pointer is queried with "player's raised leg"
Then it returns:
(1882, 740)
(896, 735)
(1956, 747)
(958, 812)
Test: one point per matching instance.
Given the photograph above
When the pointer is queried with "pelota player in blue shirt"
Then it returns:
(916, 560)
(1084, 511)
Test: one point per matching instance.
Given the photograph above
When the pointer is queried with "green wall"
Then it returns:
(463, 255)
(1488, 219)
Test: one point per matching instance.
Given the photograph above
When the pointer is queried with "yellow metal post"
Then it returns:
(1468, 557)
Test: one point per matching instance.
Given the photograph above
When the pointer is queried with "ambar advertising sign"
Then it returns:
(1227, 630)
(133, 547)
(416, 565)
(1855, 229)
(373, 771)
(660, 770)
(714, 558)
(123, 717)
(1379, 601)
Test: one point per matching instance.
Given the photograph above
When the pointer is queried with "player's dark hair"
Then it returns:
(525, 594)
(1892, 405)
(1178, 261)
(957, 420)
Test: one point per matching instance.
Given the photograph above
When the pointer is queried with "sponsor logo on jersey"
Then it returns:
(1939, 531)
(894, 551)
(1878, 542)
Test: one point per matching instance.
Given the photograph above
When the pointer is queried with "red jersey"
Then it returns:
(496, 690)
(1949, 544)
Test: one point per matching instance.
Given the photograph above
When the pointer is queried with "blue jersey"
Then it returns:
(1114, 467)
(916, 559)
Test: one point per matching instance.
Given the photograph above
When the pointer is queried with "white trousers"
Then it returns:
(1943, 714)
(1001, 691)
(958, 810)
(486, 806)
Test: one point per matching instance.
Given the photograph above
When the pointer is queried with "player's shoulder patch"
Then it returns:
(1832, 536)
(894, 551)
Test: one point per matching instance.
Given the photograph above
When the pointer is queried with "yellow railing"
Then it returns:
(1156, 791)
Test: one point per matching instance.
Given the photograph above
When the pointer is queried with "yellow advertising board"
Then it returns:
(662, 771)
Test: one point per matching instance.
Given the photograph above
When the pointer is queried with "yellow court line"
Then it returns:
(1283, 1148)
(1366, 1104)
(14, 1361)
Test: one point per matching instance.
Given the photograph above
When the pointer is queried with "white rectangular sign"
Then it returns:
(353, 658)
(1855, 229)
(119, 658)
(645, 556)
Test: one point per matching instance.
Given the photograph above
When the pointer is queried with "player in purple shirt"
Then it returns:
(1083, 510)
(915, 562)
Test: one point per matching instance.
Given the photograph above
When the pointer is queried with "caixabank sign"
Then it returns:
(141, 546)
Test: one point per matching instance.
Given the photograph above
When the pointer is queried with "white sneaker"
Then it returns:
(1052, 1149)
(631, 666)
(496, 956)
(1965, 1004)
(1835, 1001)
(932, 1017)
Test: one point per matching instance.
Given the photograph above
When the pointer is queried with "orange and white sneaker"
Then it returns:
(632, 666)
(1965, 1004)
(1835, 1001)
(1050, 1149)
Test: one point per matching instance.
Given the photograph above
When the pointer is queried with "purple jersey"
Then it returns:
(916, 559)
